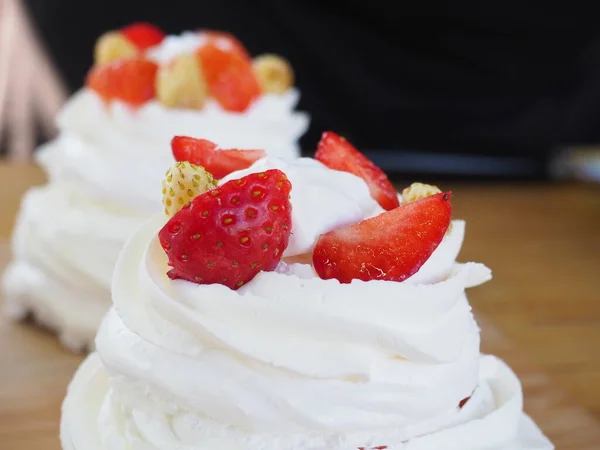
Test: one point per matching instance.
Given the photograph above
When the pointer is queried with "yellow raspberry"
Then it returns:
(183, 182)
(418, 191)
(113, 46)
(181, 83)
(274, 74)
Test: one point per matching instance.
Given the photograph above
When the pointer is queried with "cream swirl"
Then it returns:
(115, 153)
(64, 249)
(322, 199)
(294, 362)
(292, 353)
(318, 358)
(93, 418)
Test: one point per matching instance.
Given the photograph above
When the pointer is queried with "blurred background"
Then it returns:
(509, 90)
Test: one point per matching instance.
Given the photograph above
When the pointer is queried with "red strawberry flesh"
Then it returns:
(129, 80)
(337, 153)
(143, 35)
(230, 78)
(215, 37)
(391, 246)
(219, 163)
(231, 233)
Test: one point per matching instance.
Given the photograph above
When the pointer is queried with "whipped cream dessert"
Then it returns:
(289, 360)
(102, 169)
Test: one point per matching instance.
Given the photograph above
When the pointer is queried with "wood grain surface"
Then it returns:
(541, 312)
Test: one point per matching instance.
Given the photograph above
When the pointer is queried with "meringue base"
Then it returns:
(90, 388)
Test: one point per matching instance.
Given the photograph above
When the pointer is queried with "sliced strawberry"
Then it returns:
(337, 153)
(391, 246)
(229, 234)
(130, 80)
(218, 162)
(143, 35)
(231, 80)
(226, 41)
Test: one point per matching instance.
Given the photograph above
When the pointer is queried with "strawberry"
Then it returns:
(143, 35)
(337, 153)
(229, 234)
(464, 401)
(231, 80)
(130, 80)
(205, 153)
(226, 41)
(391, 246)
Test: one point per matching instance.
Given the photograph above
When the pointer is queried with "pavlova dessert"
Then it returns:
(295, 305)
(112, 150)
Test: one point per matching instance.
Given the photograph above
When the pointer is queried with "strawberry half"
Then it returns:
(143, 35)
(337, 153)
(228, 40)
(130, 80)
(219, 163)
(229, 234)
(391, 246)
(231, 80)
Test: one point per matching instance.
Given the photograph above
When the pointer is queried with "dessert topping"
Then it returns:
(230, 78)
(206, 153)
(418, 191)
(226, 41)
(113, 46)
(274, 74)
(337, 153)
(181, 84)
(129, 80)
(183, 182)
(143, 35)
(391, 246)
(229, 234)
(221, 68)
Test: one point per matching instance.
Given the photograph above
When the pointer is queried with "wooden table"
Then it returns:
(541, 313)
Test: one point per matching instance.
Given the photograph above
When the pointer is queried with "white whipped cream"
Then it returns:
(64, 249)
(94, 419)
(377, 355)
(120, 154)
(291, 362)
(175, 45)
(322, 199)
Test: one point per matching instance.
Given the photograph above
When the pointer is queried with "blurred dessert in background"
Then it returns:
(112, 149)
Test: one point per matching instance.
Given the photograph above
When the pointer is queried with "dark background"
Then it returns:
(461, 89)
